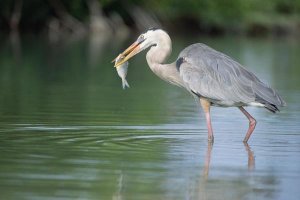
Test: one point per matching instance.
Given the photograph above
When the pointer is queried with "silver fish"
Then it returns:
(122, 72)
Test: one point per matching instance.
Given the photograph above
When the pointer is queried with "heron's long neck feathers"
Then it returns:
(159, 52)
(157, 55)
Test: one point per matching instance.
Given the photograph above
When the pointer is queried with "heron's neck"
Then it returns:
(156, 57)
(159, 53)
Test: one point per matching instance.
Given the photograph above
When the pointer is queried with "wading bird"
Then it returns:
(209, 75)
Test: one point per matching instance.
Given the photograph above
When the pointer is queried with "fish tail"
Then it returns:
(125, 83)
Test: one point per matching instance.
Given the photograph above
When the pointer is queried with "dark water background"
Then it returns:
(68, 130)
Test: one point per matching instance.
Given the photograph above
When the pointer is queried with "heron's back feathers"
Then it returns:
(214, 75)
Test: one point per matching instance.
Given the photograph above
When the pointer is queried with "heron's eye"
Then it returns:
(142, 37)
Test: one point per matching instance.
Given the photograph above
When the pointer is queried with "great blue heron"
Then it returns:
(209, 75)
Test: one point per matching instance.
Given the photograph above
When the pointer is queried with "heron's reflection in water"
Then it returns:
(251, 159)
(220, 188)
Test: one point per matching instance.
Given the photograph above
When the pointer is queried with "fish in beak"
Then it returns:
(131, 51)
(122, 71)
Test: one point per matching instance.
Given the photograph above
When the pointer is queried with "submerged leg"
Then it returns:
(251, 158)
(206, 107)
(252, 124)
(207, 160)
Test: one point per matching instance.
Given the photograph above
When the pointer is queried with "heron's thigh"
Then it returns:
(205, 104)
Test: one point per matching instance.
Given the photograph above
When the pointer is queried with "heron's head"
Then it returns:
(148, 39)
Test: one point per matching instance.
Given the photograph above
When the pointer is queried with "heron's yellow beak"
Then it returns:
(127, 54)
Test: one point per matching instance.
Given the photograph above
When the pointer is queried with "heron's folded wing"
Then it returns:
(213, 75)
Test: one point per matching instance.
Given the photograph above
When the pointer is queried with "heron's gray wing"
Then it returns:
(220, 88)
(216, 76)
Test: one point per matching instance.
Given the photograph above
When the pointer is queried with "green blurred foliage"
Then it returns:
(226, 15)
(230, 14)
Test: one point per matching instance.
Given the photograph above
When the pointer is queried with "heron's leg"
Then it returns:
(207, 160)
(252, 124)
(251, 158)
(206, 107)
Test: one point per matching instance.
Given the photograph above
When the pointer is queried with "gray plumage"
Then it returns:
(217, 77)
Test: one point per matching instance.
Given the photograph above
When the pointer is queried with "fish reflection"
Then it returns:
(118, 194)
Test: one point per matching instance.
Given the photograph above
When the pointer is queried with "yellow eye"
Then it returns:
(142, 37)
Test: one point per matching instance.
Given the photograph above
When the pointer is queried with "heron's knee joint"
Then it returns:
(252, 122)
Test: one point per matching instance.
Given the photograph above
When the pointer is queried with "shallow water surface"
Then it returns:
(68, 130)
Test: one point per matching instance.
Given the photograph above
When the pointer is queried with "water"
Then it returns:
(68, 130)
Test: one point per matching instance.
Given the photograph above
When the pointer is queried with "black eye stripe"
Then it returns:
(150, 29)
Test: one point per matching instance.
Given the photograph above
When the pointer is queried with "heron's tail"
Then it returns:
(271, 107)
(268, 97)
